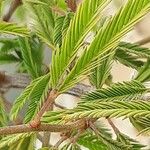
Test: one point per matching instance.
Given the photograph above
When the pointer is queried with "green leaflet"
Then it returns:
(119, 91)
(18, 142)
(71, 146)
(10, 28)
(60, 29)
(107, 38)
(37, 97)
(32, 56)
(29, 92)
(113, 109)
(134, 49)
(79, 27)
(141, 124)
(43, 23)
(102, 72)
(144, 72)
(8, 45)
(129, 141)
(91, 141)
(8, 58)
(3, 115)
(129, 55)
(128, 59)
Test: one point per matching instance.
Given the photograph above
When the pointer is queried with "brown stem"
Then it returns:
(75, 138)
(14, 5)
(47, 135)
(43, 127)
(93, 127)
(46, 106)
(72, 5)
(116, 130)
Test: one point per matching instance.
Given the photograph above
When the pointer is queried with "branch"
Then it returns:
(72, 5)
(116, 130)
(43, 127)
(14, 5)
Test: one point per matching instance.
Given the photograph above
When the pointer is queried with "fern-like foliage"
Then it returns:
(144, 75)
(9, 28)
(43, 22)
(91, 141)
(71, 146)
(118, 91)
(3, 114)
(111, 109)
(102, 72)
(133, 144)
(107, 38)
(8, 58)
(19, 141)
(37, 97)
(135, 49)
(141, 124)
(79, 27)
(127, 59)
(31, 56)
(100, 109)
(61, 26)
(9, 51)
(8, 45)
(31, 92)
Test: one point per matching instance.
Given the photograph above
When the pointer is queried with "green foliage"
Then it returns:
(31, 58)
(37, 97)
(133, 144)
(43, 23)
(102, 72)
(126, 91)
(8, 45)
(3, 114)
(110, 109)
(128, 59)
(79, 27)
(116, 28)
(61, 26)
(71, 147)
(135, 49)
(142, 124)
(10, 28)
(91, 141)
(18, 142)
(144, 73)
(132, 55)
(74, 59)
(8, 58)
(31, 92)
